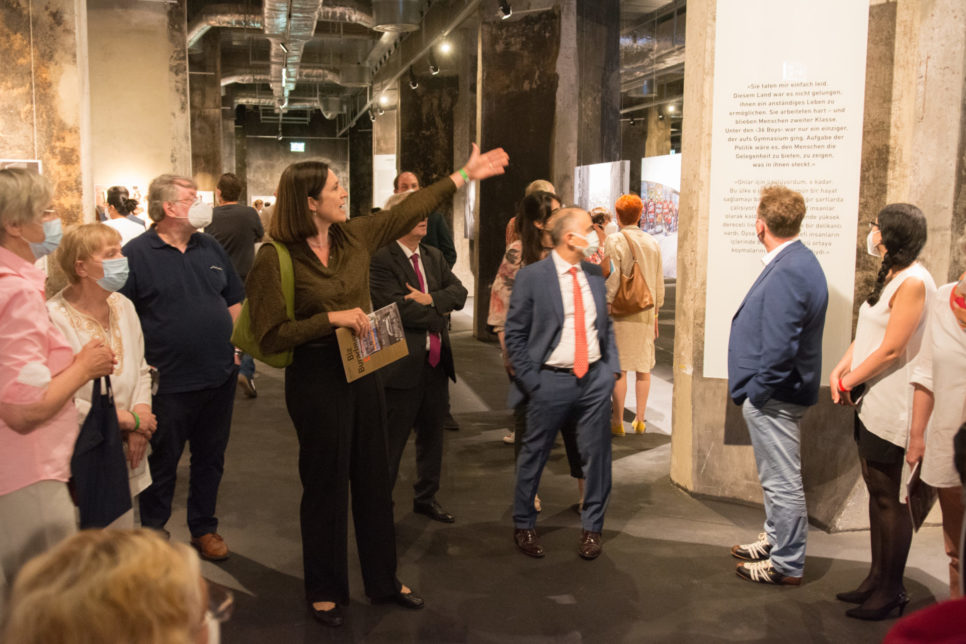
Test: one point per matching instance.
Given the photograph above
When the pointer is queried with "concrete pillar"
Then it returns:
(516, 99)
(44, 112)
(139, 91)
(902, 151)
(425, 121)
(360, 168)
(464, 133)
(658, 133)
(206, 120)
(633, 137)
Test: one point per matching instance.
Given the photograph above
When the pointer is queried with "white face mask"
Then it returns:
(199, 215)
(870, 245)
(593, 243)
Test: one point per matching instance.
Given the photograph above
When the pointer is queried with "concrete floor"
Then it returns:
(665, 575)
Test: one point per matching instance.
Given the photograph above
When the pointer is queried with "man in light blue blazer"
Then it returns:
(774, 371)
(560, 342)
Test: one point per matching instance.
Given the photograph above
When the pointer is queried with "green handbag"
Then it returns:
(242, 335)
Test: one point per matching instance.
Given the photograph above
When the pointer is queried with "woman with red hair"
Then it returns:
(635, 333)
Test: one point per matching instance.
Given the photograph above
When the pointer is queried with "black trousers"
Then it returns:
(341, 429)
(202, 419)
(422, 408)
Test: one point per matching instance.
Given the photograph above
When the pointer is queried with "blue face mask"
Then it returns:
(115, 274)
(52, 236)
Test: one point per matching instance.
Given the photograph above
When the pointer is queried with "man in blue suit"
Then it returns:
(561, 345)
(774, 371)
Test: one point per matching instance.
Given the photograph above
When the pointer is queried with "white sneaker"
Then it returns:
(757, 551)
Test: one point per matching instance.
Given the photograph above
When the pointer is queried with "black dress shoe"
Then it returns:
(855, 596)
(528, 542)
(590, 547)
(331, 617)
(434, 511)
(882, 612)
(407, 600)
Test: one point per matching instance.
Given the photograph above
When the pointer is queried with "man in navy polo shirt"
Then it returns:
(187, 295)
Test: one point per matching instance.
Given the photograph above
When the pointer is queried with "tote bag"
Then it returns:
(98, 467)
(633, 294)
(242, 335)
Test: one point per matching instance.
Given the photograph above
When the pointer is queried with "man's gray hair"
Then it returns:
(562, 222)
(164, 189)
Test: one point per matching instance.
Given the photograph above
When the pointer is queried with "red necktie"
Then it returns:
(580, 331)
(434, 343)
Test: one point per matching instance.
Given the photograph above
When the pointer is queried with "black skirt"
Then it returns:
(876, 449)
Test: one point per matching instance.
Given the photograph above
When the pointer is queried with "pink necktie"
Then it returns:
(580, 331)
(434, 343)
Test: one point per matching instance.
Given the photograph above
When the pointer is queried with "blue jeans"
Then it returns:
(247, 367)
(775, 435)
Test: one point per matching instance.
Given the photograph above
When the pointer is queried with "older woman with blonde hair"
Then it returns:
(636, 332)
(90, 308)
(39, 374)
(112, 586)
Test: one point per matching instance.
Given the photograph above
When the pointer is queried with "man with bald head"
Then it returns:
(560, 342)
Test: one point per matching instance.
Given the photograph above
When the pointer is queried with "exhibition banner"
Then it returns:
(789, 85)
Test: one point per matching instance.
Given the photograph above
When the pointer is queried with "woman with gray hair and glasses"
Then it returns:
(39, 375)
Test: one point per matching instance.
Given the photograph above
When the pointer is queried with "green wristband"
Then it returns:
(465, 176)
(137, 421)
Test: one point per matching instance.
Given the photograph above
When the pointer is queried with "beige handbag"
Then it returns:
(633, 294)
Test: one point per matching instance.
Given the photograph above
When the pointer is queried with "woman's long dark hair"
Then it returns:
(903, 228)
(292, 221)
(534, 209)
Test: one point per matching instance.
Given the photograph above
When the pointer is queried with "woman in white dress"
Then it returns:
(939, 379)
(89, 308)
(887, 338)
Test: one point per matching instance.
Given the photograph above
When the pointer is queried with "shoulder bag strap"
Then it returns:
(288, 277)
(633, 248)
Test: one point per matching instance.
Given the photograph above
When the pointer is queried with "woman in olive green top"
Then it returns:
(341, 426)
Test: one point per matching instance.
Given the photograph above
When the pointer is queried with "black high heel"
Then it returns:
(879, 614)
(855, 596)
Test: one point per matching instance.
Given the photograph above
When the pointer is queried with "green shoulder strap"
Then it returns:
(288, 277)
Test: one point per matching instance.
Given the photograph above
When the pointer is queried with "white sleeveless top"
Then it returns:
(886, 408)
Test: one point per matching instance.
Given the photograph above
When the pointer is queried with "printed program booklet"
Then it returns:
(385, 343)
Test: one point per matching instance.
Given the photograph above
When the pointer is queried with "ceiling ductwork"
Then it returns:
(305, 73)
(221, 15)
(295, 102)
(288, 25)
(396, 15)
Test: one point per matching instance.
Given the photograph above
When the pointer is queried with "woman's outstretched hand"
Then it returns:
(487, 164)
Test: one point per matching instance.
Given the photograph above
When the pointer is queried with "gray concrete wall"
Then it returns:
(267, 158)
(139, 91)
(360, 168)
(43, 108)
(711, 454)
(204, 71)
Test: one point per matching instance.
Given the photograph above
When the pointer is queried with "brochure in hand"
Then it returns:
(920, 497)
(385, 343)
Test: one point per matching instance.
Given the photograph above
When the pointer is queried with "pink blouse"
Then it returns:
(32, 351)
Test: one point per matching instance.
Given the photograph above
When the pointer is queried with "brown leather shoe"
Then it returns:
(528, 542)
(211, 546)
(590, 547)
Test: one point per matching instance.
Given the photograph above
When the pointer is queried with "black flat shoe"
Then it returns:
(855, 596)
(407, 600)
(332, 617)
(879, 614)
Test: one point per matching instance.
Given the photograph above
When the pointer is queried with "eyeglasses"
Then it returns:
(189, 201)
(873, 224)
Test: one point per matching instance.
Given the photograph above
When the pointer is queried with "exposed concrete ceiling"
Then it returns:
(273, 50)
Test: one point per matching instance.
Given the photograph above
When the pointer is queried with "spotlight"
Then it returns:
(383, 100)
(505, 10)
(372, 114)
(632, 121)
(660, 116)
(433, 65)
(445, 47)
(413, 83)
(670, 108)
(380, 111)
(283, 46)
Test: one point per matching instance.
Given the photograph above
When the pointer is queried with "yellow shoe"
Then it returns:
(617, 429)
(639, 426)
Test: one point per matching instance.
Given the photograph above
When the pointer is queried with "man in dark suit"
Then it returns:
(417, 278)
(560, 342)
(774, 371)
